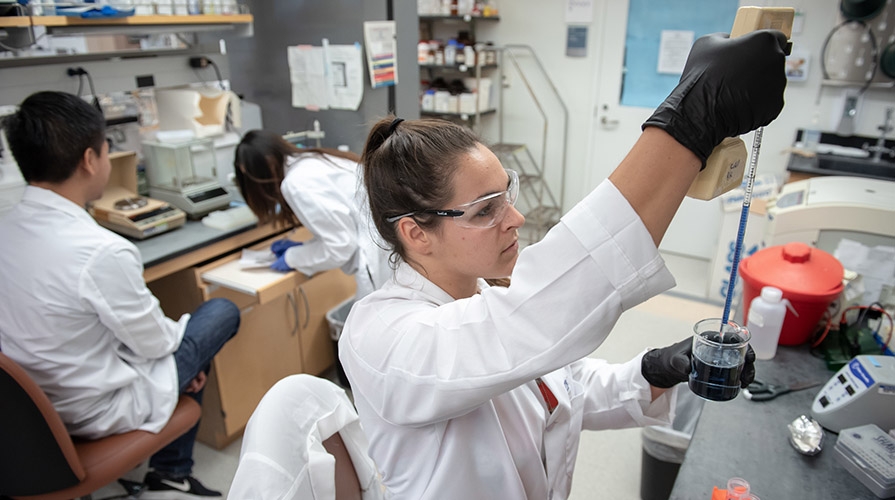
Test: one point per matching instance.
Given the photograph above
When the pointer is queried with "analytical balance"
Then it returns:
(184, 174)
(123, 211)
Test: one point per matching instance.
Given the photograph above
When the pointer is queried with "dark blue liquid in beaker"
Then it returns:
(716, 372)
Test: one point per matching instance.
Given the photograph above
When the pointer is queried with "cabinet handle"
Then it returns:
(304, 298)
(294, 313)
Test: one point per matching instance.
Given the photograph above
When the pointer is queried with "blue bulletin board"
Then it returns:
(643, 85)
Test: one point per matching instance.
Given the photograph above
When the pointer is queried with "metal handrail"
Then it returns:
(508, 50)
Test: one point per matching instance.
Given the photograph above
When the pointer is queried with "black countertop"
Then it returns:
(750, 439)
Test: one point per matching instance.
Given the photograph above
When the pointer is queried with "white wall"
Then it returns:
(542, 25)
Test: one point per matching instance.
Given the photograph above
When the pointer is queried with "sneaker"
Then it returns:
(161, 486)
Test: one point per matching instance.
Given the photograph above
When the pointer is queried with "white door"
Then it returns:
(694, 230)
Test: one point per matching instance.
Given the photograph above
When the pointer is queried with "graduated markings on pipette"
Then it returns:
(741, 230)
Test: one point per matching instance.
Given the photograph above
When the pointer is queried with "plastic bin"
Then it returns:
(336, 318)
(664, 447)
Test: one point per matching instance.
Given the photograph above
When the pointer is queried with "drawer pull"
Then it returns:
(294, 313)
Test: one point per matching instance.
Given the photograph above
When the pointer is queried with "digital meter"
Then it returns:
(862, 392)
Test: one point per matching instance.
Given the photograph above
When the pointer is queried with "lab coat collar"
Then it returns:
(40, 196)
(407, 276)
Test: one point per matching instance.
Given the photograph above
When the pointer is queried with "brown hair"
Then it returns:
(408, 166)
(260, 163)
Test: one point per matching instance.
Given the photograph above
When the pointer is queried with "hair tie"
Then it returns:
(394, 125)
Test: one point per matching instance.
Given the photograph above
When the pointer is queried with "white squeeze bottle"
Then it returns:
(766, 313)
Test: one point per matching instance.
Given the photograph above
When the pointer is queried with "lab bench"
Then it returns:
(283, 327)
(750, 439)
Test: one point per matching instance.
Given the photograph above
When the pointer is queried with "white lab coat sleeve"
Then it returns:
(618, 397)
(417, 362)
(312, 192)
(113, 285)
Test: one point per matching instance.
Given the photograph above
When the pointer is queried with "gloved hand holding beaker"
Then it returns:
(669, 366)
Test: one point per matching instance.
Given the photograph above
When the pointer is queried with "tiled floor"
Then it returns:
(609, 462)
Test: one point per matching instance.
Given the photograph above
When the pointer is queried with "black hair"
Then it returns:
(49, 134)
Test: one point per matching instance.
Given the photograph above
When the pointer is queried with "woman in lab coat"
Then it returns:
(474, 391)
(319, 189)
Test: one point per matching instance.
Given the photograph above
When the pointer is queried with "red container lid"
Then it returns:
(800, 271)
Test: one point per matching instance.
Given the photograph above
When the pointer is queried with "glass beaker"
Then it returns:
(718, 358)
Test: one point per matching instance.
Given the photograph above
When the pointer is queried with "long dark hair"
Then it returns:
(409, 166)
(260, 167)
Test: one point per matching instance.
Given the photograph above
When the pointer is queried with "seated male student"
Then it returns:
(74, 309)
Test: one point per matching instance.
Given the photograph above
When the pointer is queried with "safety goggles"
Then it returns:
(481, 213)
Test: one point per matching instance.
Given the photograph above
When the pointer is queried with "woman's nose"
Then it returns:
(513, 218)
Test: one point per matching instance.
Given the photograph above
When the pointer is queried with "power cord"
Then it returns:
(201, 62)
(874, 51)
(81, 73)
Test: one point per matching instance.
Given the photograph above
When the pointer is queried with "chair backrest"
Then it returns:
(38, 455)
(304, 442)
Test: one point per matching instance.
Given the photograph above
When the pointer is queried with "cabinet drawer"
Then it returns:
(245, 287)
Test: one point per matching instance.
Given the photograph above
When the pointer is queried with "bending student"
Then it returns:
(319, 189)
(470, 391)
(75, 312)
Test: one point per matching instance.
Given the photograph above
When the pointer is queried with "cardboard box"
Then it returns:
(764, 189)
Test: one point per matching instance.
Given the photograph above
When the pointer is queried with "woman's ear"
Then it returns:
(416, 240)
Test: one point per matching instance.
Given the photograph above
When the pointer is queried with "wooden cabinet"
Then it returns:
(283, 331)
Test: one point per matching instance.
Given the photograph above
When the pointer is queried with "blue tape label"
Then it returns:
(858, 370)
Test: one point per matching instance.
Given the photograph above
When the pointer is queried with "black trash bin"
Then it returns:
(664, 447)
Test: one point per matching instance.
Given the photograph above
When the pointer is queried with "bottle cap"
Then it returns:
(771, 294)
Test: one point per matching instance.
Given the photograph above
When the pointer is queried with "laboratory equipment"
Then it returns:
(719, 353)
(809, 278)
(184, 174)
(821, 211)
(725, 167)
(760, 390)
(765, 319)
(862, 392)
(123, 211)
(868, 453)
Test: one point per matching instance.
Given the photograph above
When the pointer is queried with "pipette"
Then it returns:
(723, 170)
(744, 216)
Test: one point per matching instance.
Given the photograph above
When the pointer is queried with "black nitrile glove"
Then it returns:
(669, 366)
(728, 87)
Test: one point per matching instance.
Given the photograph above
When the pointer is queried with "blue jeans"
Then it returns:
(208, 329)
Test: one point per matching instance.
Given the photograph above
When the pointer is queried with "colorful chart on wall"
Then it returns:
(658, 39)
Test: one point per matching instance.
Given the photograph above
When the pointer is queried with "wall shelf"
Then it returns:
(70, 25)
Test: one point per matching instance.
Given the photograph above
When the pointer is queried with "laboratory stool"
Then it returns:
(39, 459)
(304, 441)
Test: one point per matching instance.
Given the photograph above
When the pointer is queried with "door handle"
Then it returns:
(607, 122)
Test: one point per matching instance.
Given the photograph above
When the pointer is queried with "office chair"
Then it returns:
(38, 458)
(304, 442)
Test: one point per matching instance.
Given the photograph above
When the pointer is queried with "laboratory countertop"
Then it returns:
(191, 236)
(194, 243)
(750, 439)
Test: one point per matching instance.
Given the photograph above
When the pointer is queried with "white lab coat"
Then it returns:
(445, 388)
(328, 198)
(282, 455)
(77, 315)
